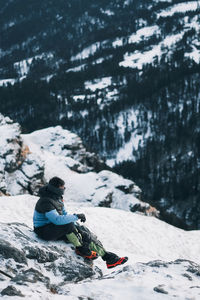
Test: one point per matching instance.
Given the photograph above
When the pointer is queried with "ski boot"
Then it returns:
(112, 260)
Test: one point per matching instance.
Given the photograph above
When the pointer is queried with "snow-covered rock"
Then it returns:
(29, 160)
(11, 142)
(62, 142)
(65, 156)
(29, 262)
(20, 170)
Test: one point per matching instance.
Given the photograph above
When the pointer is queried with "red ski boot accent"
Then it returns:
(93, 255)
(120, 261)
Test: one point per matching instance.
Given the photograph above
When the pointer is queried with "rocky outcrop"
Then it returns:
(16, 161)
(26, 261)
(62, 142)
(22, 171)
(24, 160)
(114, 191)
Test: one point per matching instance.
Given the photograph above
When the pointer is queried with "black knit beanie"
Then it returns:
(56, 182)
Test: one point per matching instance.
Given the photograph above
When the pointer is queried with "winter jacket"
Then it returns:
(50, 208)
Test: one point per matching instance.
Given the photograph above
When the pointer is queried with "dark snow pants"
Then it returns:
(52, 232)
(75, 234)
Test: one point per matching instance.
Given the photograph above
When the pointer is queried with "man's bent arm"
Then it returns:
(57, 219)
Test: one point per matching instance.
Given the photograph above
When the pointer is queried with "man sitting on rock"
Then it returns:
(52, 222)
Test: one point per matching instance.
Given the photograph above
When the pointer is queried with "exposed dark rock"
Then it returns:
(191, 266)
(160, 289)
(157, 264)
(107, 200)
(32, 276)
(137, 207)
(40, 255)
(187, 276)
(92, 160)
(85, 298)
(180, 261)
(71, 272)
(11, 291)
(8, 251)
(126, 189)
(194, 268)
(5, 274)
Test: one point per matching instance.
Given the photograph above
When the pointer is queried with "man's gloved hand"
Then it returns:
(81, 217)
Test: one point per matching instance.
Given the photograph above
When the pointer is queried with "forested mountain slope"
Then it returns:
(124, 75)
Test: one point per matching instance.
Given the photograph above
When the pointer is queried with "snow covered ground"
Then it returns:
(141, 238)
(7, 81)
(129, 120)
(138, 59)
(100, 83)
(136, 37)
(23, 66)
(179, 8)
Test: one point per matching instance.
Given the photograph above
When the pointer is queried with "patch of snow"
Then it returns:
(84, 113)
(117, 43)
(179, 8)
(8, 25)
(59, 17)
(143, 33)
(195, 54)
(127, 2)
(69, 114)
(112, 94)
(190, 153)
(98, 61)
(78, 97)
(86, 52)
(98, 83)
(138, 59)
(107, 12)
(76, 69)
(129, 120)
(7, 81)
(23, 66)
(194, 23)
(48, 77)
(137, 37)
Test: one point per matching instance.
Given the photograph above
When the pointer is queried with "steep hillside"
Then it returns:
(123, 75)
